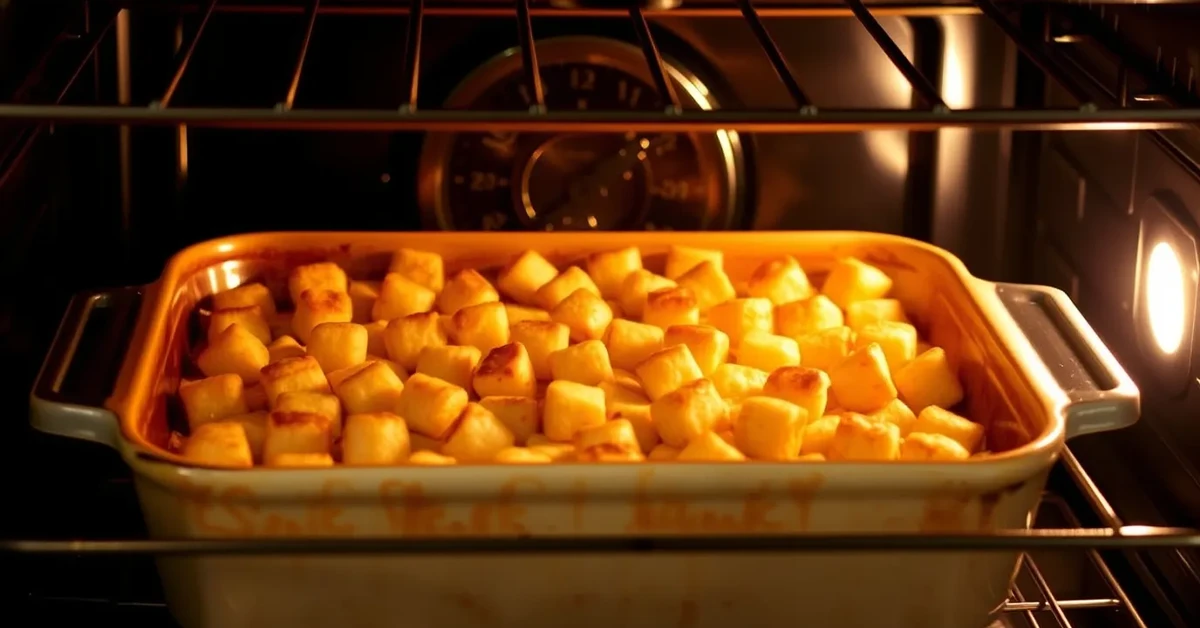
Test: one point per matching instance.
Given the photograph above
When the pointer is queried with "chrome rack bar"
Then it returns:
(1034, 53)
(915, 9)
(533, 74)
(1086, 538)
(412, 52)
(778, 62)
(165, 100)
(658, 70)
(921, 85)
(1039, 580)
(770, 121)
(311, 22)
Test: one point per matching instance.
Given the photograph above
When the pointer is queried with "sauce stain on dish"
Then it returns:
(802, 492)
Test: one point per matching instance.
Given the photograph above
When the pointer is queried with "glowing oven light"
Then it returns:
(1164, 297)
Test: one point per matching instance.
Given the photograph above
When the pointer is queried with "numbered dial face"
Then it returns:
(507, 181)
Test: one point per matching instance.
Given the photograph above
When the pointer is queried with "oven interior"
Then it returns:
(270, 115)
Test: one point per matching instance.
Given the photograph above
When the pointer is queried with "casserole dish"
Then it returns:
(1028, 404)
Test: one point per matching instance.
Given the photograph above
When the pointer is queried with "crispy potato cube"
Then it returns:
(666, 370)
(610, 269)
(319, 277)
(316, 403)
(250, 318)
(541, 339)
(736, 317)
(221, 444)
(399, 297)
(300, 461)
(506, 371)
(571, 407)
(363, 295)
(859, 438)
(681, 259)
(557, 452)
(466, 288)
(630, 343)
(293, 375)
(929, 380)
(450, 363)
(284, 347)
(617, 393)
(613, 441)
(297, 433)
(420, 442)
(377, 438)
(627, 379)
(430, 405)
(825, 349)
(320, 306)
(709, 345)
(863, 313)
(254, 424)
(709, 283)
(767, 351)
(519, 313)
(640, 419)
(709, 447)
(896, 412)
(779, 280)
(478, 437)
(521, 455)
(898, 341)
(811, 315)
(663, 453)
(376, 346)
(406, 337)
(584, 313)
(519, 414)
(736, 381)
(852, 280)
(671, 306)
(235, 350)
(374, 388)
(212, 399)
(335, 378)
(862, 382)
(524, 275)
(935, 420)
(924, 446)
(818, 435)
(805, 387)
(431, 459)
(585, 363)
(814, 457)
(769, 429)
(484, 326)
(396, 368)
(338, 345)
(420, 267)
(246, 295)
(562, 286)
(689, 411)
(636, 287)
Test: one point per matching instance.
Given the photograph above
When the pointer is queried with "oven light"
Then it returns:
(1164, 297)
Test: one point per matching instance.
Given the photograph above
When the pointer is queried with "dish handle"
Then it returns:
(1101, 394)
(78, 410)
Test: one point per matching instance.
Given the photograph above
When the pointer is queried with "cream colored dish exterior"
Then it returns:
(871, 588)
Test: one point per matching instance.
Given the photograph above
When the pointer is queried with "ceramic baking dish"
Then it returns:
(985, 328)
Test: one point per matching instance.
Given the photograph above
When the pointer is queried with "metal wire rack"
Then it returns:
(1095, 111)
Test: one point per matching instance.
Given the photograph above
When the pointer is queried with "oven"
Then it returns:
(1040, 142)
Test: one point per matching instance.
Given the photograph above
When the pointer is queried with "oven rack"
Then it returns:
(1102, 107)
